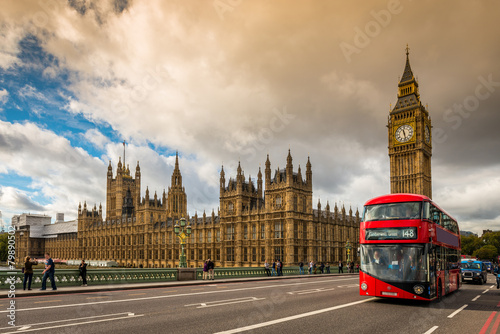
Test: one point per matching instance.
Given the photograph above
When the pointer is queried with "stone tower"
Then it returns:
(122, 192)
(177, 200)
(410, 146)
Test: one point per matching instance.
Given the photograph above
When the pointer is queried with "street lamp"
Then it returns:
(182, 232)
(348, 247)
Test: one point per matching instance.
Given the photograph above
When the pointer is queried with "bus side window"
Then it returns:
(436, 215)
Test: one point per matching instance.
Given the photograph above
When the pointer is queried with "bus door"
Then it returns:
(431, 265)
(446, 267)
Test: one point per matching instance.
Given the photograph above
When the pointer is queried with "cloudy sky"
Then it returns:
(228, 80)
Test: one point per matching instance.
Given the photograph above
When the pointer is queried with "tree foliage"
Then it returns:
(470, 244)
(488, 252)
(4, 246)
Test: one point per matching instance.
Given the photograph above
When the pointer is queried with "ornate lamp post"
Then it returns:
(348, 247)
(182, 232)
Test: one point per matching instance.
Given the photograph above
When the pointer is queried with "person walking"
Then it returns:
(327, 267)
(301, 268)
(278, 267)
(341, 269)
(311, 267)
(205, 270)
(357, 267)
(211, 269)
(274, 268)
(266, 267)
(83, 272)
(322, 268)
(28, 272)
(48, 273)
(281, 268)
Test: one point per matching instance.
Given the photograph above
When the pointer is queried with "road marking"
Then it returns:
(303, 292)
(491, 287)
(198, 289)
(486, 290)
(476, 298)
(169, 291)
(226, 302)
(136, 294)
(487, 323)
(75, 319)
(457, 311)
(48, 301)
(95, 297)
(293, 317)
(495, 325)
(431, 330)
(349, 286)
(171, 296)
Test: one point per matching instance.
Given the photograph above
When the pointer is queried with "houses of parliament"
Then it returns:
(272, 219)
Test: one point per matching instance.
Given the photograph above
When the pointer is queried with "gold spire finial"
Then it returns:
(407, 50)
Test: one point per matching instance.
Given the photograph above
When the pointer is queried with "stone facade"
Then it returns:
(410, 139)
(253, 224)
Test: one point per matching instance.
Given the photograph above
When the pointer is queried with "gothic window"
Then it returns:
(254, 254)
(245, 232)
(230, 233)
(278, 253)
(262, 231)
(254, 232)
(263, 254)
(295, 204)
(278, 230)
(278, 201)
(209, 236)
(217, 235)
(229, 254)
(230, 207)
(200, 236)
(304, 204)
(245, 254)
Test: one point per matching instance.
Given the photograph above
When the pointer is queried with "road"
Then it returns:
(320, 304)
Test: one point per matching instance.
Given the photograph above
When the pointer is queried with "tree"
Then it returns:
(487, 252)
(470, 244)
(4, 246)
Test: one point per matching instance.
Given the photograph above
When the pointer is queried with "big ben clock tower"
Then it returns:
(410, 146)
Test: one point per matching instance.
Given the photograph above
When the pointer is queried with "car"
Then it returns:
(474, 271)
(489, 266)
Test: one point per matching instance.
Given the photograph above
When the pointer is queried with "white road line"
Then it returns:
(74, 319)
(226, 302)
(456, 312)
(171, 296)
(476, 298)
(486, 290)
(431, 330)
(75, 324)
(293, 317)
(491, 287)
(303, 292)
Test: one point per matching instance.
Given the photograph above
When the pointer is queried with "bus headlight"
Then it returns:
(364, 286)
(418, 289)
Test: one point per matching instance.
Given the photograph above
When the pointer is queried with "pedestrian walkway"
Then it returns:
(131, 286)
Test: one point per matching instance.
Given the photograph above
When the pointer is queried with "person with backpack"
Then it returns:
(301, 268)
(211, 269)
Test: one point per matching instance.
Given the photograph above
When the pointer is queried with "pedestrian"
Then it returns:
(301, 268)
(322, 268)
(341, 269)
(281, 268)
(274, 268)
(311, 267)
(278, 267)
(48, 273)
(83, 272)
(357, 267)
(211, 269)
(315, 268)
(496, 271)
(205, 270)
(266, 267)
(327, 268)
(352, 267)
(28, 272)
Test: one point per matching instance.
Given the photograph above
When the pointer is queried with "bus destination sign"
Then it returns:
(392, 233)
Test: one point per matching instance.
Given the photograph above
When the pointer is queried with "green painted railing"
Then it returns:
(71, 277)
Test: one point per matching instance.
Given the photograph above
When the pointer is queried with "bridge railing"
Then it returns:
(71, 277)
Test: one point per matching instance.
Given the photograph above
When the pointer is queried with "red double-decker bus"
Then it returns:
(409, 248)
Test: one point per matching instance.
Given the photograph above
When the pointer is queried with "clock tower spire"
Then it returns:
(410, 146)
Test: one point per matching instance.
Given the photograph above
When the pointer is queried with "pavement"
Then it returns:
(132, 286)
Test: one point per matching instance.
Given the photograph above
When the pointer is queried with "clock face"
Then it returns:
(427, 134)
(404, 133)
